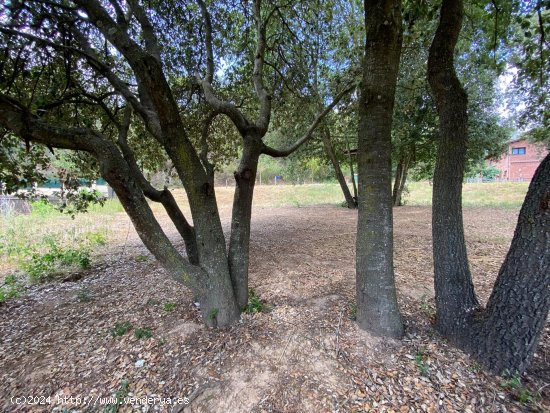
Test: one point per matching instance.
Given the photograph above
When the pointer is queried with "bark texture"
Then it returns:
(507, 332)
(455, 296)
(377, 309)
(239, 243)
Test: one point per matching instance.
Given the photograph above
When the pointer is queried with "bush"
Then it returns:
(42, 264)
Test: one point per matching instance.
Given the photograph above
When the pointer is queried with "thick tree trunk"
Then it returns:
(400, 179)
(218, 304)
(454, 290)
(329, 148)
(377, 309)
(239, 243)
(507, 333)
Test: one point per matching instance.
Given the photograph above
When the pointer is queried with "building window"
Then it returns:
(518, 151)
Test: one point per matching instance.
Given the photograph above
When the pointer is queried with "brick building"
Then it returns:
(520, 162)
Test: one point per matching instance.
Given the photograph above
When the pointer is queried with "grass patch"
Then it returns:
(121, 328)
(169, 307)
(12, 287)
(508, 195)
(143, 333)
(512, 383)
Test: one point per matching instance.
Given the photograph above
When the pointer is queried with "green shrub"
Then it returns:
(43, 264)
(95, 238)
(43, 209)
(255, 304)
(141, 258)
(119, 396)
(352, 315)
(43, 260)
(422, 365)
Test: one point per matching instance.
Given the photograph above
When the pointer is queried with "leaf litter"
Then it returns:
(305, 354)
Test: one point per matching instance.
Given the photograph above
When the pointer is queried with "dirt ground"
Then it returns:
(305, 355)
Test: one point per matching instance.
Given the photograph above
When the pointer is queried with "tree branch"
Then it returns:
(207, 42)
(257, 74)
(164, 197)
(151, 40)
(115, 170)
(227, 108)
(277, 153)
(148, 116)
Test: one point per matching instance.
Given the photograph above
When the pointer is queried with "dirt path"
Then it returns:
(306, 355)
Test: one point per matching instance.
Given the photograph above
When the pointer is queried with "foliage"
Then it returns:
(42, 263)
(528, 64)
(121, 328)
(513, 384)
(11, 288)
(119, 396)
(255, 304)
(20, 165)
(50, 255)
(483, 170)
(421, 363)
(353, 312)
(80, 200)
(144, 333)
(428, 308)
(141, 258)
(213, 313)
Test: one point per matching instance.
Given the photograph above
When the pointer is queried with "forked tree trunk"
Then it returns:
(454, 290)
(210, 280)
(218, 303)
(377, 309)
(503, 337)
(329, 148)
(507, 333)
